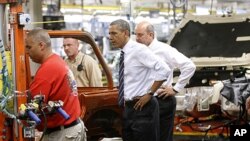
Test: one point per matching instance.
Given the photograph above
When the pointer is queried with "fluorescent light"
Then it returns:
(243, 38)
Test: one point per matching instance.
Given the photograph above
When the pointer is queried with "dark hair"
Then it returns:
(122, 24)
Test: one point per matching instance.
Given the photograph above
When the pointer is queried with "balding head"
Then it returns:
(38, 45)
(39, 35)
(144, 32)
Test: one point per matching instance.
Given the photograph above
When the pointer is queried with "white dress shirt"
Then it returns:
(139, 64)
(174, 59)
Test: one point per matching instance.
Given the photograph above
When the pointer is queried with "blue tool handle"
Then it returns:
(63, 113)
(33, 116)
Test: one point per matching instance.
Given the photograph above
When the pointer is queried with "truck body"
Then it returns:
(219, 46)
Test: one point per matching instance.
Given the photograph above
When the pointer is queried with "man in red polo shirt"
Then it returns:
(56, 82)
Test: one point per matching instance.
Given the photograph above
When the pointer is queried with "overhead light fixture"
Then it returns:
(124, 1)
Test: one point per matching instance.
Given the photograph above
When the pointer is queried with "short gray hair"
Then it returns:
(40, 35)
(150, 28)
(122, 24)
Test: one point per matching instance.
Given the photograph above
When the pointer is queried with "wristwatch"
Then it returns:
(150, 92)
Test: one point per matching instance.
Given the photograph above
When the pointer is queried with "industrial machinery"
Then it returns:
(219, 46)
(13, 70)
(18, 112)
(215, 97)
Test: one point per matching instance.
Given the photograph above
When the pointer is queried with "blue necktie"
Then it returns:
(121, 81)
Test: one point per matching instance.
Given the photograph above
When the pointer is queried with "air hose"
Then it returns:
(6, 84)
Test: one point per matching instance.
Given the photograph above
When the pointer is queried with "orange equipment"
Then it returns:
(10, 129)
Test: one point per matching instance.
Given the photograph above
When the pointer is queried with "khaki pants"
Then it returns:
(74, 133)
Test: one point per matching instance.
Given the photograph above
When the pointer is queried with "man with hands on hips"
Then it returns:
(145, 34)
(141, 73)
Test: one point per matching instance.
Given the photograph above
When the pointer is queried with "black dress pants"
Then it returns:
(141, 125)
(167, 113)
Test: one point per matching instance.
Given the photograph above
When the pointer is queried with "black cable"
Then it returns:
(243, 114)
(45, 123)
(204, 137)
(223, 125)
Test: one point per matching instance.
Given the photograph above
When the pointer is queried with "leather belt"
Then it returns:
(133, 101)
(58, 128)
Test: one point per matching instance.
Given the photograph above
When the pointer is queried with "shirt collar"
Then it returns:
(78, 57)
(127, 47)
(152, 43)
